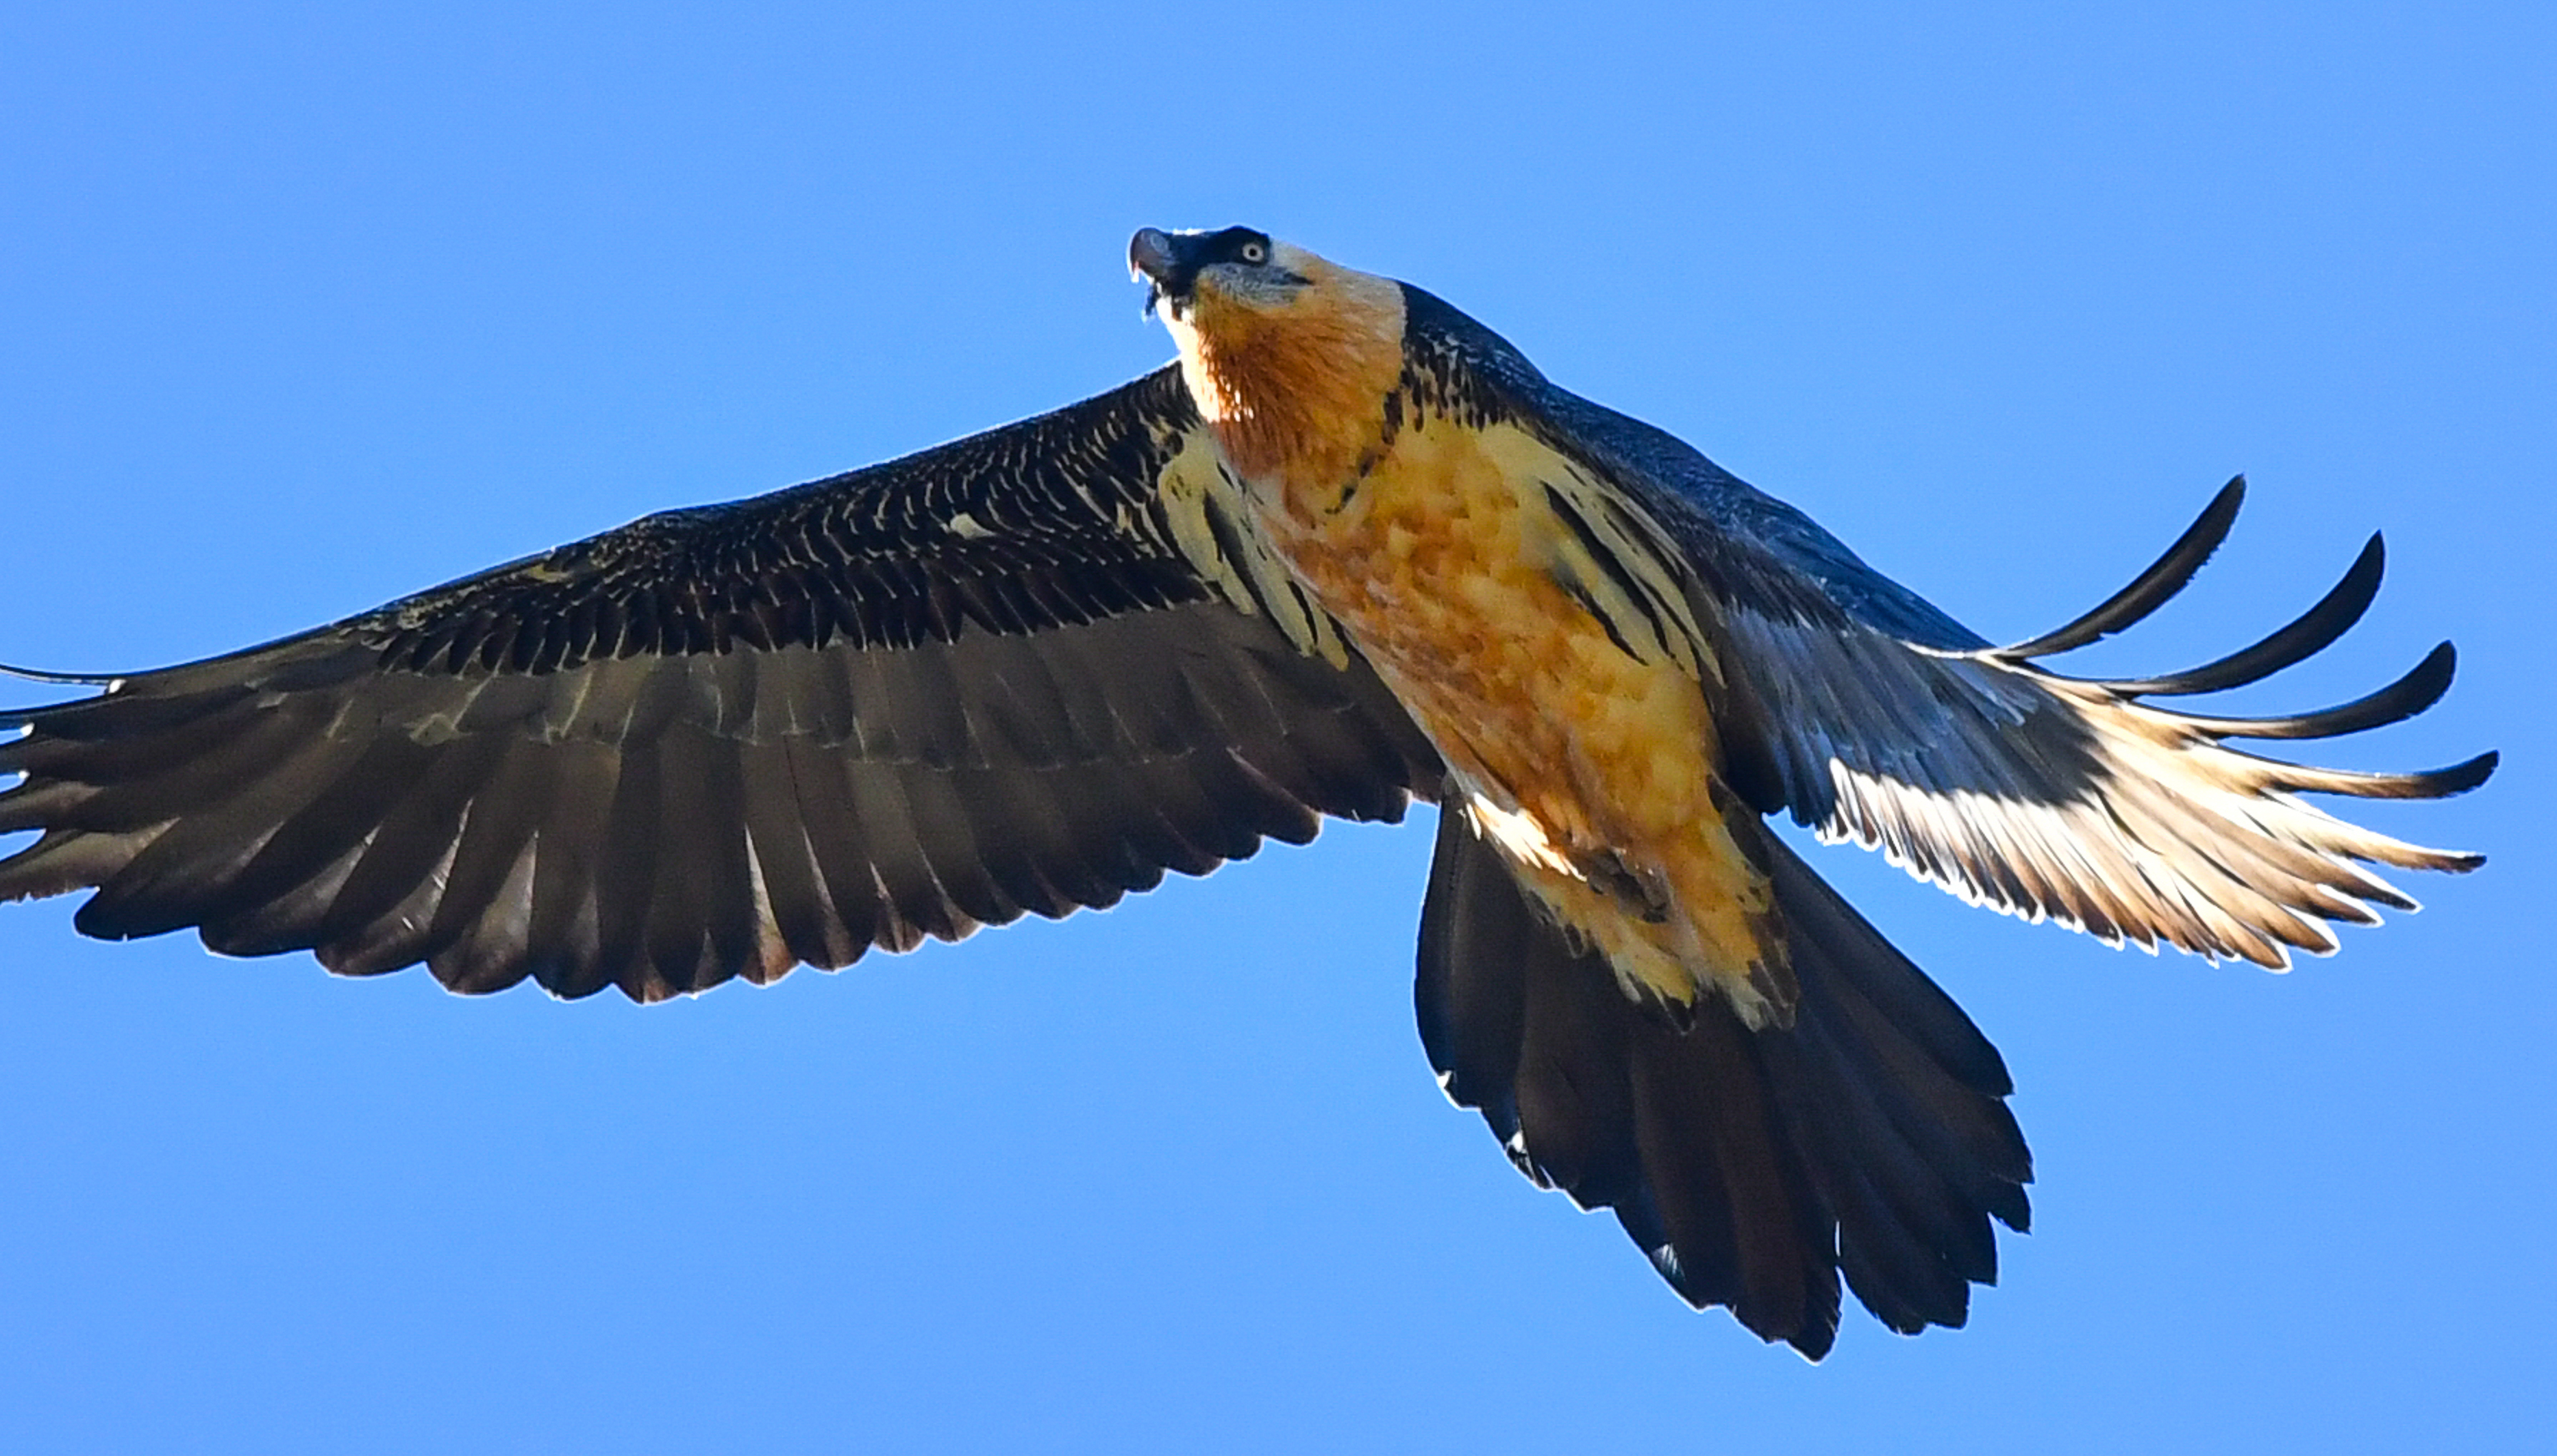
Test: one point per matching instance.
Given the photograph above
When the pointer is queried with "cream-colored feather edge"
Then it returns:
(2171, 838)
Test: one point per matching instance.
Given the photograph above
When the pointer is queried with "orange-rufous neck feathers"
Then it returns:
(1295, 388)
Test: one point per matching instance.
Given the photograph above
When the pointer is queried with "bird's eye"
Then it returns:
(1253, 252)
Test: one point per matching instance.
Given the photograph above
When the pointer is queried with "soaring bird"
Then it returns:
(1349, 551)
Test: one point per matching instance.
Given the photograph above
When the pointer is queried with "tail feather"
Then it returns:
(1711, 1125)
(1870, 1139)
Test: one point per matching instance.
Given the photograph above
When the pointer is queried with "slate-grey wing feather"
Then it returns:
(1014, 674)
(2076, 800)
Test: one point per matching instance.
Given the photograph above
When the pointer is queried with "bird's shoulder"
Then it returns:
(1742, 542)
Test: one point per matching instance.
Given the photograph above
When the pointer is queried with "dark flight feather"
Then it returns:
(937, 693)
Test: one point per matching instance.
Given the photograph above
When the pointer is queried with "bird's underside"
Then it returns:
(1350, 552)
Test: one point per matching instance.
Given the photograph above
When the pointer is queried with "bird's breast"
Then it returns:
(1561, 690)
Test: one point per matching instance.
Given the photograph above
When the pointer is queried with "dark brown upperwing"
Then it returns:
(1023, 672)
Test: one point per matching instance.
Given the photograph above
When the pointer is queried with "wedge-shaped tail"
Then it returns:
(1870, 1139)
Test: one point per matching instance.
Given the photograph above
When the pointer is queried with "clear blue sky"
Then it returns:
(306, 306)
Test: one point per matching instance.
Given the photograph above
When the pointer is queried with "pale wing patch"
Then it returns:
(2172, 839)
(2075, 800)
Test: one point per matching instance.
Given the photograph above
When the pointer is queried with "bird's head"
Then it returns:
(1235, 268)
(1279, 345)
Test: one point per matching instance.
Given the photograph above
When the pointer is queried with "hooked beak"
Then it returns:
(1157, 259)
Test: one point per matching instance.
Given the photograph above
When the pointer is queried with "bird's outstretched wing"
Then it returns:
(2081, 801)
(1871, 715)
(1026, 671)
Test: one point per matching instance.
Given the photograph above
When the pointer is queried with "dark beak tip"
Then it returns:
(1150, 254)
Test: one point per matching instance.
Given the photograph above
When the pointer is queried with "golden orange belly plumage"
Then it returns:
(1592, 768)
